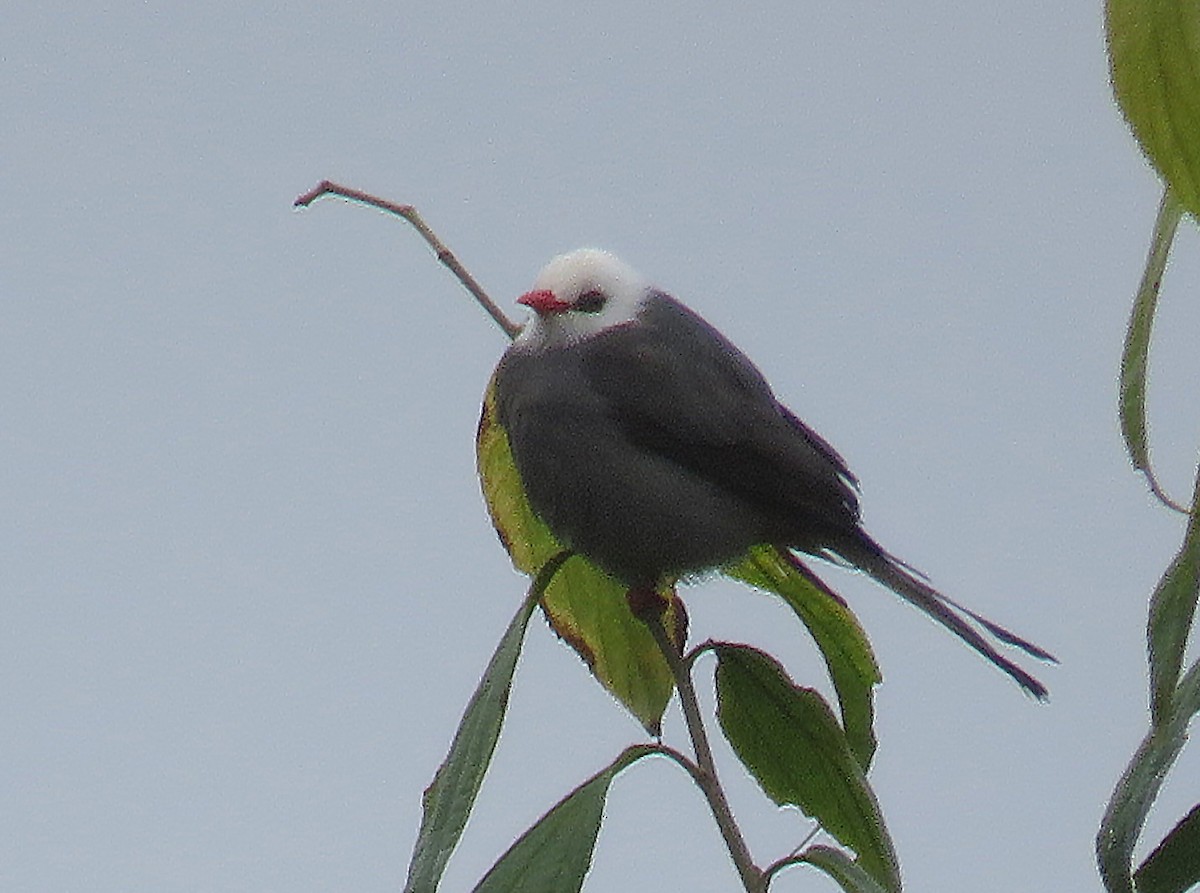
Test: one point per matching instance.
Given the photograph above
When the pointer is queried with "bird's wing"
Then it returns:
(676, 387)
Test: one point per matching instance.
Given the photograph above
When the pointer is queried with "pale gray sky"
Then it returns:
(247, 582)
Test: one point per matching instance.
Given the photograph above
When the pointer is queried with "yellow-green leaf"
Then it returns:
(1154, 61)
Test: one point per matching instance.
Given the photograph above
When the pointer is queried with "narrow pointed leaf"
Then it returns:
(1154, 60)
(1172, 610)
(585, 606)
(848, 874)
(451, 795)
(1135, 357)
(1174, 866)
(790, 741)
(554, 856)
(837, 633)
(1139, 785)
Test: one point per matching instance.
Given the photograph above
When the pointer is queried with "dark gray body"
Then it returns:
(656, 449)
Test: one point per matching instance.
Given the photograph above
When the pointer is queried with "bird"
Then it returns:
(652, 446)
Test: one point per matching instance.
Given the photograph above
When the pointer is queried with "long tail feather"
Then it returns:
(869, 556)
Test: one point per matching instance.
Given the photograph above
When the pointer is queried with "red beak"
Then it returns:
(543, 302)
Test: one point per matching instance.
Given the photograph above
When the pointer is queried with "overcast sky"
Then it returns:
(247, 582)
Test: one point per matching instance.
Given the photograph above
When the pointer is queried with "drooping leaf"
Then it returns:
(555, 854)
(585, 606)
(790, 741)
(1154, 60)
(837, 633)
(1135, 357)
(451, 795)
(1172, 610)
(590, 612)
(1174, 866)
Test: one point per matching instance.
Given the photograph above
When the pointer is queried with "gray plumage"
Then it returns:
(651, 445)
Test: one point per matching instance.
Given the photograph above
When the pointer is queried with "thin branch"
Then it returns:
(444, 254)
(706, 776)
(677, 757)
(780, 864)
(795, 857)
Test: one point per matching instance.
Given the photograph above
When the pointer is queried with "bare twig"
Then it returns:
(705, 775)
(444, 254)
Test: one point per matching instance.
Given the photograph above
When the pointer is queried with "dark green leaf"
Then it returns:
(1154, 59)
(794, 747)
(837, 633)
(1135, 358)
(1174, 866)
(555, 854)
(449, 798)
(1172, 609)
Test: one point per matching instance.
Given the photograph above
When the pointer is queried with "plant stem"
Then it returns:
(444, 254)
(752, 876)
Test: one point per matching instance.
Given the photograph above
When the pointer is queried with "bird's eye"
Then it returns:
(591, 301)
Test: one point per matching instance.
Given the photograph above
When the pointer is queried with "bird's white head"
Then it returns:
(578, 295)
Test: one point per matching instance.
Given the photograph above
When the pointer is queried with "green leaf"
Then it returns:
(555, 854)
(794, 747)
(841, 868)
(585, 606)
(1187, 696)
(1173, 704)
(1139, 785)
(449, 798)
(1135, 358)
(1174, 866)
(837, 634)
(1172, 609)
(1154, 60)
